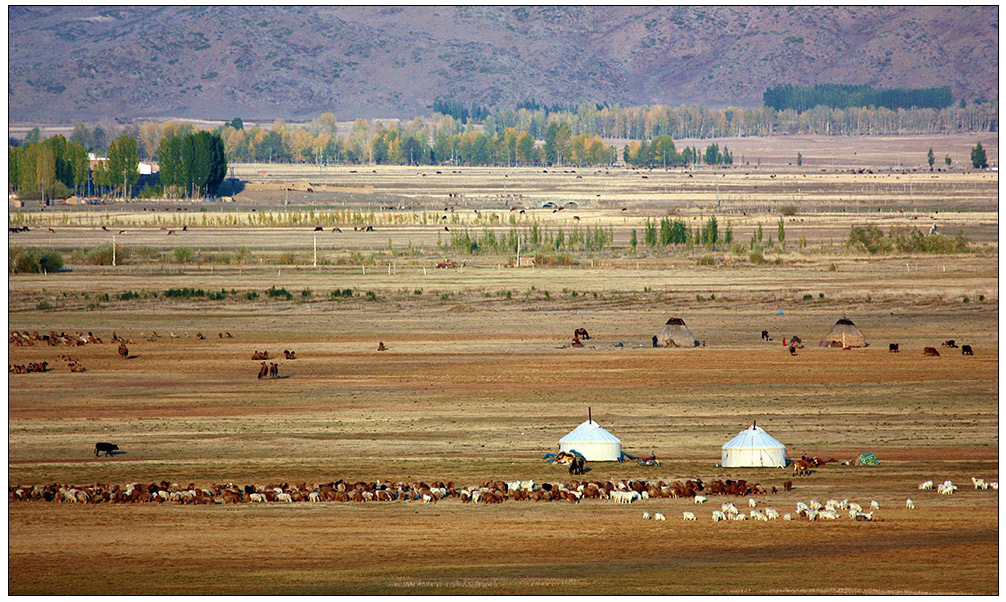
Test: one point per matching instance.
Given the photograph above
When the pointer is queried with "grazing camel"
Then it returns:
(263, 371)
(381, 347)
(274, 370)
(123, 351)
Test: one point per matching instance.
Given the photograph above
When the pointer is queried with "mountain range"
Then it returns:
(69, 63)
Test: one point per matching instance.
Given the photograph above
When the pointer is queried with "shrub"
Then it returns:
(418, 291)
(184, 254)
(129, 296)
(184, 293)
(869, 239)
(287, 258)
(808, 297)
(279, 292)
(788, 210)
(757, 258)
(102, 255)
(981, 298)
(706, 260)
(34, 260)
(305, 293)
(342, 293)
(966, 300)
(371, 296)
(217, 296)
(251, 295)
(43, 305)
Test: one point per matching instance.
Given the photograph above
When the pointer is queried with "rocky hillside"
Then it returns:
(72, 63)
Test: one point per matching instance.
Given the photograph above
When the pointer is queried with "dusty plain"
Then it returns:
(477, 386)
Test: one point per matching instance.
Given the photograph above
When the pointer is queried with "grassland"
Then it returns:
(476, 385)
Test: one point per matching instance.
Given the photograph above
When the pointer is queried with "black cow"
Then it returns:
(764, 336)
(108, 448)
(893, 348)
(576, 466)
(966, 350)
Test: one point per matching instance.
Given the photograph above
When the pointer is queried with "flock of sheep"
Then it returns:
(812, 512)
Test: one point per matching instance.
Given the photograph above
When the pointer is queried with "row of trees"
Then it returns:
(192, 164)
(842, 97)
(57, 168)
(532, 240)
(667, 232)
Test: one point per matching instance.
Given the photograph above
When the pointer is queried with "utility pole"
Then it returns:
(315, 250)
(113, 250)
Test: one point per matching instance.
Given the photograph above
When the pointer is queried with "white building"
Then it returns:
(753, 447)
(592, 442)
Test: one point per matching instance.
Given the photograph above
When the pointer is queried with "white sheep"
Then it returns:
(740, 516)
(730, 509)
(314, 496)
(994, 485)
(909, 504)
(658, 516)
(874, 505)
(284, 497)
(863, 517)
(256, 497)
(812, 515)
(815, 505)
(756, 515)
(979, 483)
(829, 514)
(646, 516)
(771, 513)
(801, 508)
(927, 485)
(687, 516)
(718, 516)
(752, 503)
(856, 507)
(700, 499)
(787, 516)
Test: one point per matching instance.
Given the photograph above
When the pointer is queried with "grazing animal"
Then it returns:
(931, 351)
(646, 516)
(170, 232)
(318, 229)
(801, 468)
(893, 348)
(718, 516)
(927, 485)
(909, 504)
(200, 336)
(771, 513)
(874, 505)
(700, 499)
(764, 336)
(788, 486)
(123, 351)
(290, 355)
(966, 350)
(274, 370)
(577, 465)
(752, 502)
(792, 350)
(688, 516)
(381, 347)
(659, 516)
(102, 446)
(263, 371)
(952, 344)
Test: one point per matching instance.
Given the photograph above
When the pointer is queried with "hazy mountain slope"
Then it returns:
(71, 63)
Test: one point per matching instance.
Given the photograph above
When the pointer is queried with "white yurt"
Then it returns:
(753, 447)
(593, 443)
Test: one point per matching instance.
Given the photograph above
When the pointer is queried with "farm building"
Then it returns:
(844, 334)
(676, 334)
(753, 447)
(593, 443)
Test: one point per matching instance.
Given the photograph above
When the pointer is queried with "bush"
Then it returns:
(418, 291)
(217, 296)
(756, 258)
(251, 295)
(43, 305)
(343, 293)
(869, 239)
(184, 254)
(287, 258)
(808, 297)
(371, 296)
(102, 255)
(34, 261)
(184, 293)
(706, 260)
(788, 210)
(305, 293)
(129, 296)
(279, 292)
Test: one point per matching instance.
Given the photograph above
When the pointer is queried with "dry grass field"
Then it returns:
(477, 385)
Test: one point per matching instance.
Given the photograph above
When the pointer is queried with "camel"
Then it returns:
(123, 351)
(263, 371)
(274, 370)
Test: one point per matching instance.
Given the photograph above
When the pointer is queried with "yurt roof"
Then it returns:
(846, 327)
(675, 322)
(753, 437)
(589, 431)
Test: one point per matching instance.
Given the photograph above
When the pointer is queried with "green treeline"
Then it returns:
(531, 240)
(57, 168)
(841, 97)
(193, 164)
(666, 233)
